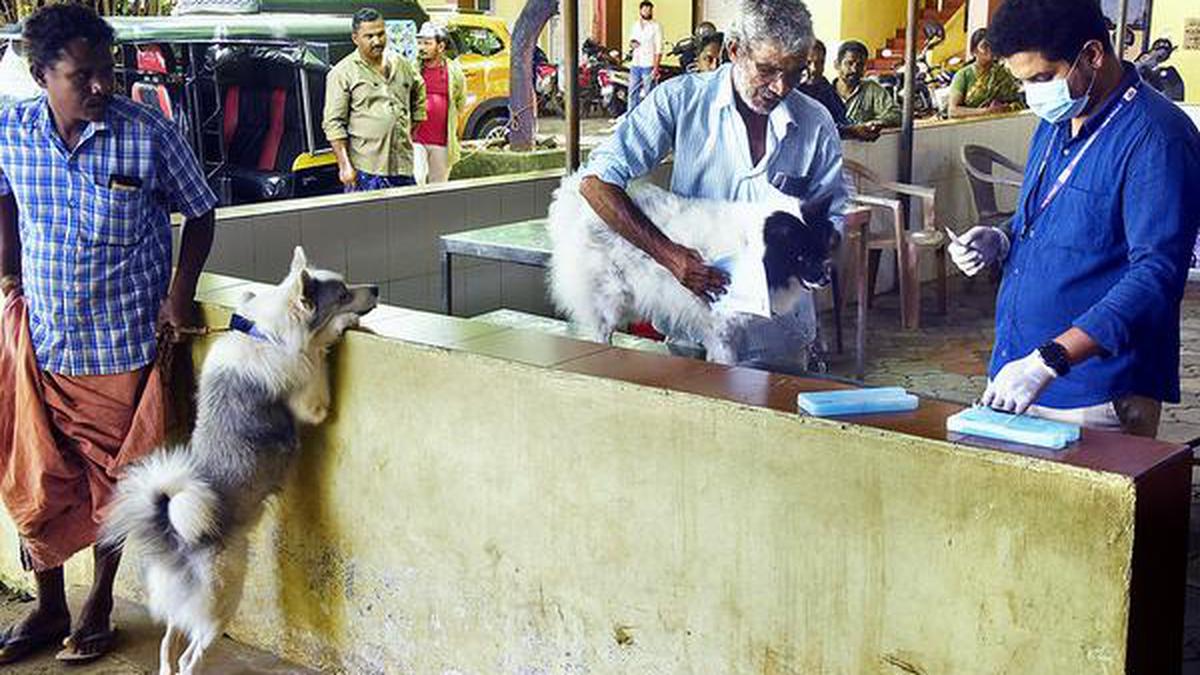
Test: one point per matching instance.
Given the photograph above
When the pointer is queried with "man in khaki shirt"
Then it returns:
(373, 100)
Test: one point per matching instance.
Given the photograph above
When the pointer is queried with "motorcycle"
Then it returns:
(614, 90)
(1165, 79)
(924, 104)
(545, 85)
(595, 59)
(686, 50)
(942, 76)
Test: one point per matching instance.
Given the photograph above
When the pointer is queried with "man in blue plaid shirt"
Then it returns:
(87, 184)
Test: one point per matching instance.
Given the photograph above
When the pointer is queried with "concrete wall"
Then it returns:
(937, 157)
(1193, 111)
(468, 512)
(390, 238)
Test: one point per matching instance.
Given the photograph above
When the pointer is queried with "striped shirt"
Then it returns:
(695, 117)
(95, 245)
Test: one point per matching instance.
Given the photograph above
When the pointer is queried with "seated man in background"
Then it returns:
(867, 102)
(823, 91)
(984, 87)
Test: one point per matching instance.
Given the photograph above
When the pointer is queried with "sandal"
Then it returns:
(98, 644)
(17, 647)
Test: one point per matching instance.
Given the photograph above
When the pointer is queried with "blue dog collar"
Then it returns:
(241, 324)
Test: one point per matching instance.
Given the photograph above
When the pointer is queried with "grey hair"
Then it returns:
(784, 22)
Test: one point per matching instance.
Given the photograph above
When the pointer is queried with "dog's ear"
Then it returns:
(299, 260)
(816, 211)
(302, 290)
(305, 291)
(778, 228)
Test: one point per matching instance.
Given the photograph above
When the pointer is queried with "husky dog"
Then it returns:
(600, 280)
(188, 510)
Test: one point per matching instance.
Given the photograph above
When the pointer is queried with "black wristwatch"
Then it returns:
(1055, 356)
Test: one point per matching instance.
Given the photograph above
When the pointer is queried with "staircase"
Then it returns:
(938, 10)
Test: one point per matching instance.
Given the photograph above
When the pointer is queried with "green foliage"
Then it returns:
(15, 10)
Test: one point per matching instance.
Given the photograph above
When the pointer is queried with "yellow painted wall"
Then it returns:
(827, 25)
(1168, 21)
(956, 38)
(871, 22)
(465, 514)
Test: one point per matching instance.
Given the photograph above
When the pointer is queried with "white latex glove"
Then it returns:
(1018, 384)
(977, 248)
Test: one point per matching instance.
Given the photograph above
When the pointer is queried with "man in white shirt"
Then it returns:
(647, 43)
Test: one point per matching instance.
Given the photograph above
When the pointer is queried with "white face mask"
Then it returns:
(1052, 100)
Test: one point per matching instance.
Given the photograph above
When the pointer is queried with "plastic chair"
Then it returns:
(890, 197)
(980, 164)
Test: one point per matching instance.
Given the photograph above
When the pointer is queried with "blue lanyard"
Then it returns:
(1069, 170)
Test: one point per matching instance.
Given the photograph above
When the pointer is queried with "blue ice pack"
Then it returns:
(988, 423)
(856, 401)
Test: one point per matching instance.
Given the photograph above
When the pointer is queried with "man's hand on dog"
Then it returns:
(709, 283)
(178, 318)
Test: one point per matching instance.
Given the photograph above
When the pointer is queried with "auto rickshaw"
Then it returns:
(248, 90)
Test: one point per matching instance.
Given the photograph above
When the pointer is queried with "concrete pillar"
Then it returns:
(979, 13)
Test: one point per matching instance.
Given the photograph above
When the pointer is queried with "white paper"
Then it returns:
(747, 292)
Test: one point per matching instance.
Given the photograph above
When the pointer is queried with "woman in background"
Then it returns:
(985, 87)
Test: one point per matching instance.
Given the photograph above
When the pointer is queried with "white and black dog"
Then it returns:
(188, 510)
(600, 281)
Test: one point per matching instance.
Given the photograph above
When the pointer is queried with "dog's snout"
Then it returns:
(823, 277)
(374, 290)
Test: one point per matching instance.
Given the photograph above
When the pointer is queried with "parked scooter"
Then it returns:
(1165, 79)
(545, 85)
(941, 77)
(923, 100)
(614, 90)
(595, 59)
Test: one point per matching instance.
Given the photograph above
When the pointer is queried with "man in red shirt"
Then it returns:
(435, 141)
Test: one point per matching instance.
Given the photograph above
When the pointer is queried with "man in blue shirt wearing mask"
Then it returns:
(1095, 259)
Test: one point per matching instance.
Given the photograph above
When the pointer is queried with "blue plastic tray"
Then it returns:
(1023, 429)
(856, 401)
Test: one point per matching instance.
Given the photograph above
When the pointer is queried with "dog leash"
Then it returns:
(237, 324)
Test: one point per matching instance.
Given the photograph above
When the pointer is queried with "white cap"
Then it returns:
(432, 30)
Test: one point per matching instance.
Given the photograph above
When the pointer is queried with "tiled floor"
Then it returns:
(136, 652)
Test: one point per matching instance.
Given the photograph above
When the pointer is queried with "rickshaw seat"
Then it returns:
(154, 95)
(254, 125)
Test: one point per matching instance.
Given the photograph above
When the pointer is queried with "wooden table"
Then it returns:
(527, 243)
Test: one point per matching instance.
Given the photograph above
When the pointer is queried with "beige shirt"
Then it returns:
(375, 113)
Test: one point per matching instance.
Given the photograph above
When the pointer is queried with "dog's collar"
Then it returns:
(241, 324)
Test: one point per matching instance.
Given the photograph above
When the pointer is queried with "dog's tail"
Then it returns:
(162, 505)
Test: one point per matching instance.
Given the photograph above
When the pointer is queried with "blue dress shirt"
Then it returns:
(1110, 253)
